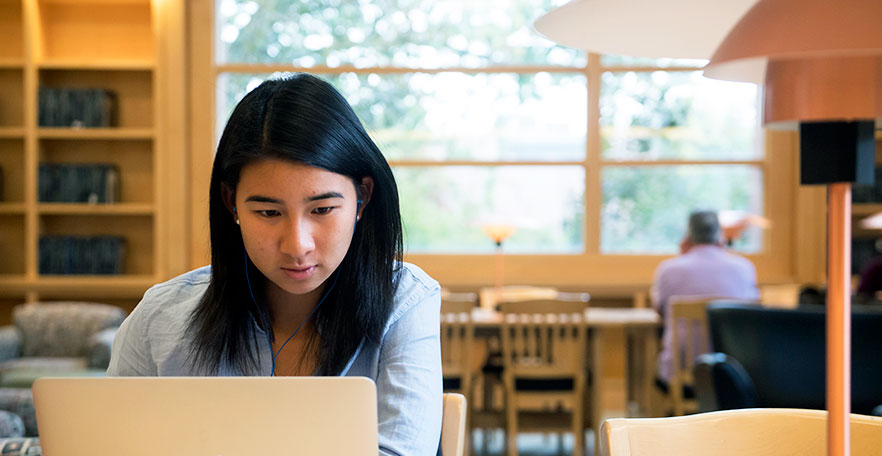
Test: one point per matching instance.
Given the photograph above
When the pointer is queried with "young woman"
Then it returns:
(306, 276)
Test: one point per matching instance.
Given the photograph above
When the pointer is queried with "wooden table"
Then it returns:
(641, 329)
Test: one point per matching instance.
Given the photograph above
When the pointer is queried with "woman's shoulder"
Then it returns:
(414, 288)
(174, 297)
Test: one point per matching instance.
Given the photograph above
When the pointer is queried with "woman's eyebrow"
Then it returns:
(263, 199)
(326, 195)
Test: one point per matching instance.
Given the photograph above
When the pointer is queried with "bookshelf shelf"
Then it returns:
(12, 132)
(11, 63)
(106, 65)
(65, 287)
(12, 209)
(99, 286)
(865, 209)
(94, 209)
(14, 283)
(95, 133)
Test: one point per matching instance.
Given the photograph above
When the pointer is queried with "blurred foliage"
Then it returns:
(677, 115)
(378, 33)
(508, 117)
(645, 208)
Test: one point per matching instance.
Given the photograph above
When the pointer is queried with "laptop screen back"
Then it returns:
(211, 416)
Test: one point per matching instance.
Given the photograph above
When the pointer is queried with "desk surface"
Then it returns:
(595, 317)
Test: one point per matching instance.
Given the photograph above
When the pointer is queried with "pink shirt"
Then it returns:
(705, 270)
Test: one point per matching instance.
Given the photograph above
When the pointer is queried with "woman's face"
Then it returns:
(297, 221)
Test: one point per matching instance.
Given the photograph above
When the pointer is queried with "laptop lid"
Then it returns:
(211, 416)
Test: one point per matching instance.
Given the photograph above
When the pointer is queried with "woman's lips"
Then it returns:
(299, 273)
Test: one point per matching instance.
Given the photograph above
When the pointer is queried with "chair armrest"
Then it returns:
(721, 383)
(11, 425)
(99, 346)
(20, 446)
(10, 343)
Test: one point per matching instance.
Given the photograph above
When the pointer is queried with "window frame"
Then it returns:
(610, 273)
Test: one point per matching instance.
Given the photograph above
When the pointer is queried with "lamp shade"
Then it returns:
(644, 28)
(818, 59)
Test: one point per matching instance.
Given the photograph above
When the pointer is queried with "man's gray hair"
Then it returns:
(704, 227)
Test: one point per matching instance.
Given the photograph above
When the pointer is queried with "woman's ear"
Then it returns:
(363, 192)
(229, 198)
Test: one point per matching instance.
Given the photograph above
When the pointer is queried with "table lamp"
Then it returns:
(821, 64)
(499, 232)
(734, 223)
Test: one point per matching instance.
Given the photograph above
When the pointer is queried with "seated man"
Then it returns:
(704, 268)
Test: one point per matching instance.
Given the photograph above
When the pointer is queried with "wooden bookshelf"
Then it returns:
(12, 209)
(95, 133)
(94, 209)
(11, 32)
(12, 102)
(12, 163)
(131, 48)
(860, 211)
(114, 65)
(12, 132)
(865, 209)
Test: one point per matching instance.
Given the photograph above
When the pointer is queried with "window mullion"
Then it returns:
(593, 187)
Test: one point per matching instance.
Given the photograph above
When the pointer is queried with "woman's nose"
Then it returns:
(297, 240)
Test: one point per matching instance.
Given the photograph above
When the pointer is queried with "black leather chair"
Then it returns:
(769, 357)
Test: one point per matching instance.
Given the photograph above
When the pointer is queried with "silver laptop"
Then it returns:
(211, 416)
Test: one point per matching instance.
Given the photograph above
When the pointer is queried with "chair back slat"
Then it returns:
(537, 344)
(457, 341)
(687, 315)
(756, 432)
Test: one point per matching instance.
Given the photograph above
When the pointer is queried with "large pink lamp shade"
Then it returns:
(821, 65)
(823, 69)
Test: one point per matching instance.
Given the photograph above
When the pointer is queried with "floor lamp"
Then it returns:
(823, 69)
(821, 65)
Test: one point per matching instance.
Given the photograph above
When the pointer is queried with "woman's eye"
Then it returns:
(322, 210)
(269, 213)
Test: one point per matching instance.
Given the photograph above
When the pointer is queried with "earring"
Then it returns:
(237, 221)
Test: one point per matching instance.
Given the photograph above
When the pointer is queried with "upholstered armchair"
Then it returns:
(769, 357)
(57, 339)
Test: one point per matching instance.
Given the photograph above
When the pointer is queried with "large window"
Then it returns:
(486, 122)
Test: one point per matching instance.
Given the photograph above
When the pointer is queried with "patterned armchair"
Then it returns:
(18, 423)
(57, 338)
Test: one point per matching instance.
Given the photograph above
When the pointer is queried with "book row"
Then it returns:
(66, 255)
(78, 183)
(77, 108)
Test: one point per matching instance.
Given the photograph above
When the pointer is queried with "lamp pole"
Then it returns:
(838, 317)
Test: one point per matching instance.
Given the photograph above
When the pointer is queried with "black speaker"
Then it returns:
(836, 152)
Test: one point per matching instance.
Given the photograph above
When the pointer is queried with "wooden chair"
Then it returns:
(457, 344)
(492, 297)
(453, 425)
(452, 301)
(458, 349)
(687, 334)
(753, 432)
(784, 295)
(544, 363)
(457, 340)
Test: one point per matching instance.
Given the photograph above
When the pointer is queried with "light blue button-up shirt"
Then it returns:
(405, 365)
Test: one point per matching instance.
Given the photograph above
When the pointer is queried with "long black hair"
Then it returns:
(301, 119)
